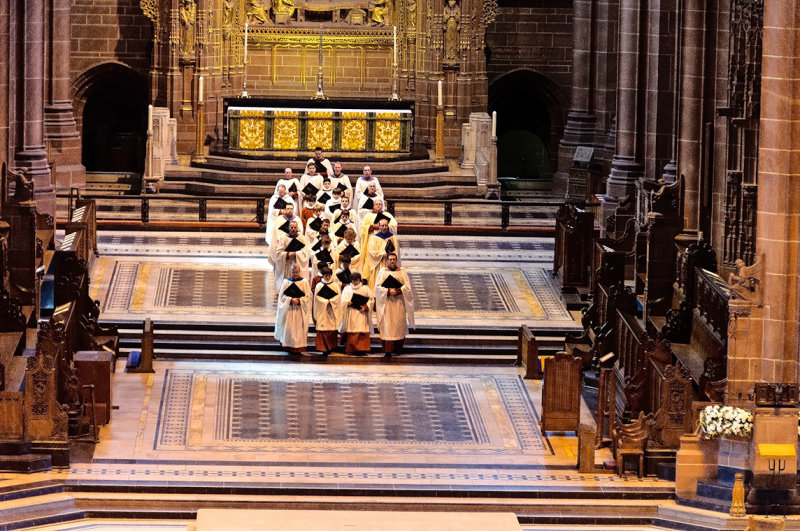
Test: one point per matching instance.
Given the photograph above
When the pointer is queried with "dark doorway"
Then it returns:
(114, 125)
(528, 125)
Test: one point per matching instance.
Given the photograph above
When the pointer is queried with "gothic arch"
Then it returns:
(531, 112)
(111, 111)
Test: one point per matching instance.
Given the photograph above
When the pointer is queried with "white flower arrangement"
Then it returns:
(726, 421)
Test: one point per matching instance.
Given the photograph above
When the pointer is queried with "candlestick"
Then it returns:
(246, 26)
(394, 44)
(200, 89)
(440, 92)
(149, 118)
(494, 123)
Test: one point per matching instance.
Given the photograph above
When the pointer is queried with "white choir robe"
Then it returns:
(330, 208)
(325, 162)
(362, 185)
(362, 212)
(375, 257)
(274, 234)
(273, 213)
(314, 268)
(310, 234)
(327, 312)
(288, 184)
(316, 180)
(291, 321)
(283, 263)
(335, 228)
(394, 313)
(354, 320)
(329, 191)
(355, 262)
(345, 181)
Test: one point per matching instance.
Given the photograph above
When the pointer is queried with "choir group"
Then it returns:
(335, 255)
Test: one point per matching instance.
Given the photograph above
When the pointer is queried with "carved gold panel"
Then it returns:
(286, 134)
(252, 129)
(387, 133)
(320, 129)
(354, 131)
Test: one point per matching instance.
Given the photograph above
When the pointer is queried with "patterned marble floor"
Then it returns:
(479, 282)
(282, 424)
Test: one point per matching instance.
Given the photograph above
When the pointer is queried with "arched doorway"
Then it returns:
(530, 120)
(112, 106)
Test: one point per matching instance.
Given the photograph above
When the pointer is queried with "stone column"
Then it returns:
(690, 120)
(626, 169)
(779, 187)
(32, 155)
(581, 121)
(59, 120)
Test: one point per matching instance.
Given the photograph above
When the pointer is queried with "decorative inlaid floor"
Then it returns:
(483, 282)
(334, 426)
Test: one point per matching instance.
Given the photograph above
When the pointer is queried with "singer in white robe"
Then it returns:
(291, 320)
(327, 313)
(394, 307)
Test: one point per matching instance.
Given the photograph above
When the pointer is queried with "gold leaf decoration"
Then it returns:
(387, 133)
(354, 131)
(252, 127)
(286, 133)
(320, 129)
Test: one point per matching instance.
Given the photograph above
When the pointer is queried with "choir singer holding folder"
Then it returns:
(394, 305)
(294, 309)
(356, 316)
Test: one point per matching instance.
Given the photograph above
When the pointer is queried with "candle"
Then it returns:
(494, 123)
(149, 118)
(394, 44)
(440, 93)
(246, 26)
(200, 90)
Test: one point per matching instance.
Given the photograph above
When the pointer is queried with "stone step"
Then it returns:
(45, 509)
(351, 168)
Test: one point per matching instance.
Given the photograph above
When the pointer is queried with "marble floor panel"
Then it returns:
(461, 281)
(281, 424)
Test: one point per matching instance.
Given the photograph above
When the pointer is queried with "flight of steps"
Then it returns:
(223, 176)
(25, 505)
(217, 341)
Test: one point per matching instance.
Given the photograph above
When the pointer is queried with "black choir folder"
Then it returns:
(294, 291)
(326, 292)
(381, 216)
(279, 204)
(391, 283)
(294, 246)
(340, 231)
(285, 226)
(310, 189)
(390, 246)
(344, 276)
(315, 224)
(359, 300)
(324, 256)
(368, 204)
(324, 198)
(349, 251)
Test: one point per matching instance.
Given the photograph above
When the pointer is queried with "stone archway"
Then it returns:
(111, 110)
(531, 112)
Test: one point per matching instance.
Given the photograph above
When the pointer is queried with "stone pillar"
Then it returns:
(581, 122)
(32, 154)
(779, 187)
(690, 121)
(625, 168)
(59, 120)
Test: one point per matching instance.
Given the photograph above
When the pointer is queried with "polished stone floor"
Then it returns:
(480, 282)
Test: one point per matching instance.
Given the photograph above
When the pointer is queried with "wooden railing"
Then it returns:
(253, 210)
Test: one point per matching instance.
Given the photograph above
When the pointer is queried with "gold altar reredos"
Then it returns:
(435, 40)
